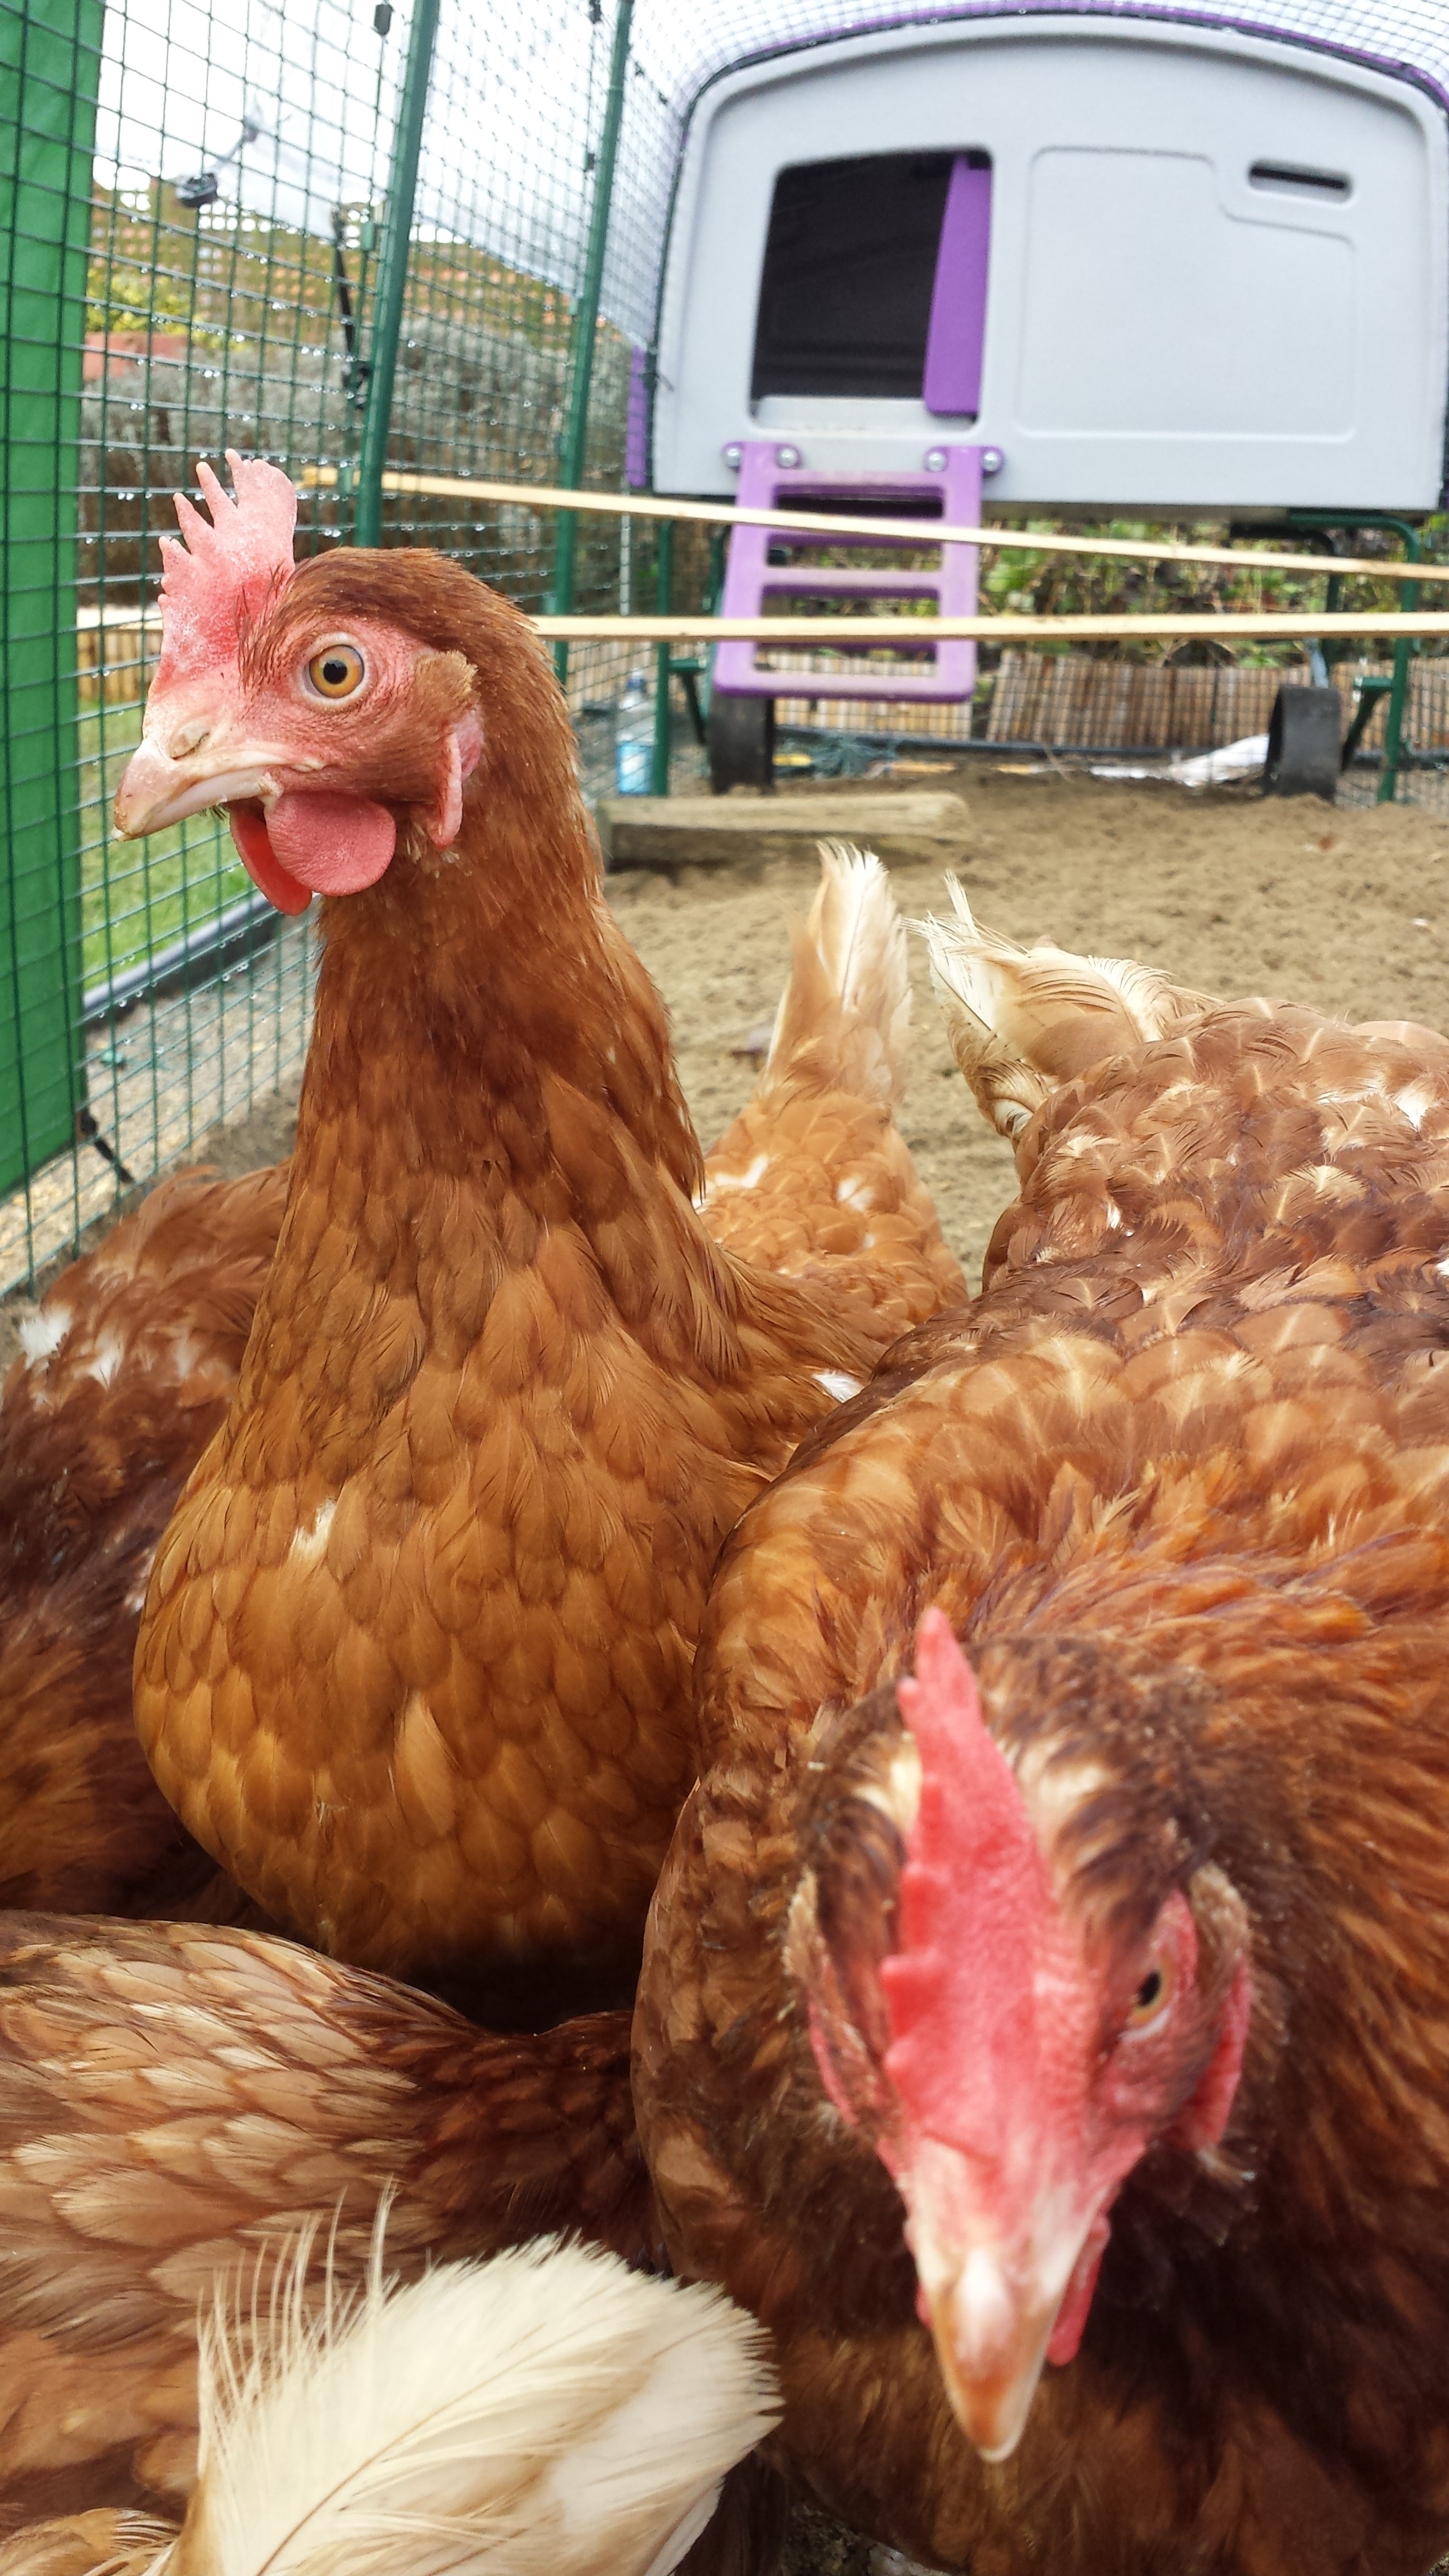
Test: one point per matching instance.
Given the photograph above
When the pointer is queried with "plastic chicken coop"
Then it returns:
(936, 258)
(1084, 262)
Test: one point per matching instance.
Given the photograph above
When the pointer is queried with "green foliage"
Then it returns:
(221, 276)
(1030, 583)
(226, 276)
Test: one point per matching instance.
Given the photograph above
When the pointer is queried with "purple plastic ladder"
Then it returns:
(769, 481)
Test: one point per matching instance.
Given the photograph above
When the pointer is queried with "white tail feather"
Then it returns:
(548, 2413)
(850, 970)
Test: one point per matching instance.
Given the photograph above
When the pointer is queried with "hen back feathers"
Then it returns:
(127, 1368)
(813, 1180)
(175, 2102)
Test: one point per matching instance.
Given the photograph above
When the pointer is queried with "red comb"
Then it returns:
(228, 570)
(960, 1990)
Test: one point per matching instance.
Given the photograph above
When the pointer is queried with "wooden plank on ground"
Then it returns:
(729, 831)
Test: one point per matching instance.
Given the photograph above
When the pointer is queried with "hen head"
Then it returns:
(1027, 2037)
(282, 693)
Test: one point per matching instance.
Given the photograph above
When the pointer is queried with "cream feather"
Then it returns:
(1023, 1020)
(547, 2413)
(850, 977)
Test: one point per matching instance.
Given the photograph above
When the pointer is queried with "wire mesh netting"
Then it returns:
(195, 202)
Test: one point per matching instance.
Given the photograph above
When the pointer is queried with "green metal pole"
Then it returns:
(392, 274)
(50, 56)
(1399, 693)
(586, 318)
(659, 781)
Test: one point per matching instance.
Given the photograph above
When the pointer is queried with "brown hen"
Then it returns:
(1053, 2054)
(127, 1368)
(415, 1661)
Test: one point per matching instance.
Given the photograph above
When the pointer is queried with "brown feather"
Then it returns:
(133, 1359)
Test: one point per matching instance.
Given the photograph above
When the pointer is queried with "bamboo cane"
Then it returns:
(805, 526)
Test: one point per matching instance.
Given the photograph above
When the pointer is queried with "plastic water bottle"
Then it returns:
(634, 739)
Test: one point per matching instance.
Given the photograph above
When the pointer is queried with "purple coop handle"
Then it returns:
(957, 329)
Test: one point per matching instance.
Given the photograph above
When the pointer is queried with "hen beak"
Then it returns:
(1013, 2301)
(991, 2333)
(160, 786)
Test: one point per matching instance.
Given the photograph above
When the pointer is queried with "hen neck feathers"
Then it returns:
(474, 977)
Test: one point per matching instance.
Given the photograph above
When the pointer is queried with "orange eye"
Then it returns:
(1152, 1997)
(338, 671)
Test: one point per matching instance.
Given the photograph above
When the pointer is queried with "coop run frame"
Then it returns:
(416, 255)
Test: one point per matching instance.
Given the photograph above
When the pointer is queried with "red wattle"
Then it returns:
(249, 832)
(1071, 2322)
(334, 844)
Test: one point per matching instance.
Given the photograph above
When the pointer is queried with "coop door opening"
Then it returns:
(874, 282)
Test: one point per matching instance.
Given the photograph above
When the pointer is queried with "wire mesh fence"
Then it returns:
(203, 217)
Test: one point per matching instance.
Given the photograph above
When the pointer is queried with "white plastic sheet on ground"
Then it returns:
(1232, 760)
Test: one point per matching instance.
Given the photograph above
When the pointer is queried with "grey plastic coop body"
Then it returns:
(1148, 263)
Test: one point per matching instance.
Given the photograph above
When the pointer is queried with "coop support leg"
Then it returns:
(1394, 722)
(741, 742)
(1303, 743)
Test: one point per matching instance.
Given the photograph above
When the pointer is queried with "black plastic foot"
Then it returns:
(741, 742)
(1304, 738)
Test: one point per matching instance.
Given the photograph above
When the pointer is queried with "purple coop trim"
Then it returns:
(958, 299)
(750, 577)
(636, 423)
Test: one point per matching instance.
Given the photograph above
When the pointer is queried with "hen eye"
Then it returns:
(338, 671)
(1151, 1997)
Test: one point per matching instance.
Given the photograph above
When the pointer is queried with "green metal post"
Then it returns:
(1399, 693)
(659, 781)
(1404, 650)
(586, 321)
(50, 52)
(392, 274)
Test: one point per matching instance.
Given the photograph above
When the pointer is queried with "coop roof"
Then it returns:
(678, 53)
